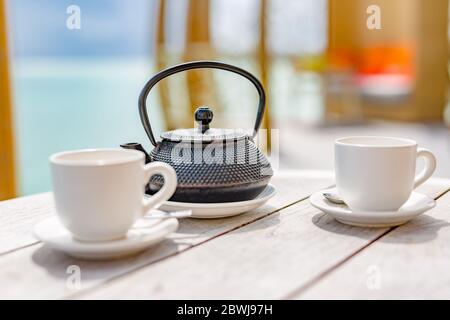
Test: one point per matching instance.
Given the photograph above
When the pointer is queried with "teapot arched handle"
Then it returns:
(198, 65)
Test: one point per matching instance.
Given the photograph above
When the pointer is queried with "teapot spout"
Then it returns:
(137, 146)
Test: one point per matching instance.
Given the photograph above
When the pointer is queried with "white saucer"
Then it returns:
(221, 210)
(415, 206)
(143, 234)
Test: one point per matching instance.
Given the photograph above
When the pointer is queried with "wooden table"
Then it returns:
(286, 249)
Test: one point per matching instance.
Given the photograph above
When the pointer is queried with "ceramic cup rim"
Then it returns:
(63, 158)
(352, 141)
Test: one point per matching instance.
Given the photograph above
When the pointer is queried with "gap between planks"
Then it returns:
(339, 264)
(114, 278)
(19, 248)
(282, 174)
(213, 237)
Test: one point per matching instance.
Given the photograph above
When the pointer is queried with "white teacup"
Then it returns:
(99, 193)
(378, 173)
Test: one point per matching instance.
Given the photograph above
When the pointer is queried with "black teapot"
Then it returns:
(212, 165)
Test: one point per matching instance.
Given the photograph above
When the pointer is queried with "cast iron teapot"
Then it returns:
(212, 165)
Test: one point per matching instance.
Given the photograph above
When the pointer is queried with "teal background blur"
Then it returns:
(76, 88)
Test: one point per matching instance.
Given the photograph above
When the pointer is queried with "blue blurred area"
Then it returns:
(77, 89)
(108, 27)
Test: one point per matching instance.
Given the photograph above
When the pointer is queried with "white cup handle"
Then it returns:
(167, 190)
(430, 166)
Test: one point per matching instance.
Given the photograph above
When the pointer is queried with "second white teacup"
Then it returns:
(99, 193)
(378, 173)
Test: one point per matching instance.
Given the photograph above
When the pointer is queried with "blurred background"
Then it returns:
(71, 73)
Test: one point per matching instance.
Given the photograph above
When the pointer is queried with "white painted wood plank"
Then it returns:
(410, 262)
(18, 215)
(269, 258)
(38, 272)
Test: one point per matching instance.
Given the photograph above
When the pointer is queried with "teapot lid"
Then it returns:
(203, 133)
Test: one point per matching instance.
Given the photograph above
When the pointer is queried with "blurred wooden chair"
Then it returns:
(198, 46)
(199, 83)
(264, 63)
(412, 41)
(7, 172)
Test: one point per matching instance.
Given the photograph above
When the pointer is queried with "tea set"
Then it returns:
(111, 203)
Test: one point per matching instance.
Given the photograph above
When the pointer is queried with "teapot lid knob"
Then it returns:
(203, 116)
